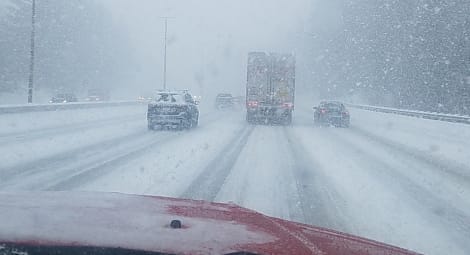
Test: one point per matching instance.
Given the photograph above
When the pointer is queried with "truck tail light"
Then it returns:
(288, 105)
(252, 104)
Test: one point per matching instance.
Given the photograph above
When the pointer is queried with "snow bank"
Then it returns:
(443, 140)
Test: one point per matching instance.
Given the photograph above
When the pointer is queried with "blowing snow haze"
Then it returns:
(347, 115)
(208, 41)
(406, 54)
(118, 44)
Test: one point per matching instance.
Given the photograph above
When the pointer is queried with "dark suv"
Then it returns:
(331, 113)
(224, 101)
(175, 109)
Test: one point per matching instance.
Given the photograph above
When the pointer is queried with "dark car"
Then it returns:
(63, 98)
(224, 101)
(173, 110)
(331, 113)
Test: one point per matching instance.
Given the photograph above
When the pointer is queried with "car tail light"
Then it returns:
(252, 104)
(288, 105)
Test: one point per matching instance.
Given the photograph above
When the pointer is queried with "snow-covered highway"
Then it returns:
(395, 179)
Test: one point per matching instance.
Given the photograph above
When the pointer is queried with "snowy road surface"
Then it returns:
(400, 180)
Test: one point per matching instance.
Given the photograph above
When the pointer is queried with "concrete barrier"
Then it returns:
(63, 106)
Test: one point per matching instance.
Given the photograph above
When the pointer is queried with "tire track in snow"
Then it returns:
(101, 167)
(454, 170)
(104, 167)
(453, 220)
(318, 203)
(26, 169)
(83, 159)
(210, 181)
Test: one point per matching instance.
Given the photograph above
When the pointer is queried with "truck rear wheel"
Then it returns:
(288, 120)
(249, 118)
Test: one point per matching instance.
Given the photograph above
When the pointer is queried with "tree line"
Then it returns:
(411, 54)
(77, 48)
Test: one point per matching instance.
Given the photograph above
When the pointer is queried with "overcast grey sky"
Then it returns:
(208, 39)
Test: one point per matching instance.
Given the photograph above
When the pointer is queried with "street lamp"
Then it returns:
(31, 63)
(165, 54)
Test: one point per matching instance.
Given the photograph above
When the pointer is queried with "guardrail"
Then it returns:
(7, 109)
(417, 114)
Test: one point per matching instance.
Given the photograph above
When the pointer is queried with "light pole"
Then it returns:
(165, 53)
(31, 63)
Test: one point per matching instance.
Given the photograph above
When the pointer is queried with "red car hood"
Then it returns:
(143, 223)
